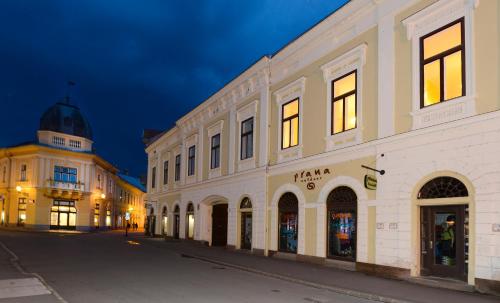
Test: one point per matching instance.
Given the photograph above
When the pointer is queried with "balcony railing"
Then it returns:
(65, 186)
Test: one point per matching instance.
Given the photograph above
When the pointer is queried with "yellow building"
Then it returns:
(370, 142)
(58, 182)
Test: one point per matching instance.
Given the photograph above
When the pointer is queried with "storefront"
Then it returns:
(288, 223)
(342, 217)
(246, 223)
(63, 215)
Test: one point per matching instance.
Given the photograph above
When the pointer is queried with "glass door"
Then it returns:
(288, 232)
(443, 241)
(246, 230)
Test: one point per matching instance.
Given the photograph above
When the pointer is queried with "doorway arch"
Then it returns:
(164, 221)
(341, 206)
(246, 223)
(288, 210)
(177, 218)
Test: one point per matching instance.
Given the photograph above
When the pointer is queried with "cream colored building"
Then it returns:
(369, 142)
(59, 182)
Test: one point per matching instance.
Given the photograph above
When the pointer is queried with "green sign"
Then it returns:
(370, 182)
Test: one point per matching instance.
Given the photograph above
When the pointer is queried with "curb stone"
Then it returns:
(343, 291)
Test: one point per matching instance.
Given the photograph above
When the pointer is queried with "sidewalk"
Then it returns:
(346, 282)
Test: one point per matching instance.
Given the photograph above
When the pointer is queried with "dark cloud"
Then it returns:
(137, 64)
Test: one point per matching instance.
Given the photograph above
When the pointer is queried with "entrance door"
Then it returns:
(443, 241)
(246, 230)
(63, 215)
(177, 222)
(219, 225)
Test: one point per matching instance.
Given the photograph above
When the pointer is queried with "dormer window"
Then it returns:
(58, 141)
(75, 143)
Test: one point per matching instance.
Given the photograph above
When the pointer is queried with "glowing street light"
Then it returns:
(19, 188)
(103, 196)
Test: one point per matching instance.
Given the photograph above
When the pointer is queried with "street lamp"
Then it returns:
(103, 196)
(19, 188)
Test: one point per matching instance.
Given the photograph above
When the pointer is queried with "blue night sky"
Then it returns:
(137, 64)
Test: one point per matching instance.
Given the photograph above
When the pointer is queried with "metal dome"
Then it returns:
(66, 118)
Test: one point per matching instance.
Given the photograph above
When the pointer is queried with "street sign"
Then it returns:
(370, 182)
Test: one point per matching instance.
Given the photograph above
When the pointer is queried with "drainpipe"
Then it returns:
(266, 208)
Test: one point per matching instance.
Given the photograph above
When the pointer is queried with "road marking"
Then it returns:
(15, 262)
(14, 288)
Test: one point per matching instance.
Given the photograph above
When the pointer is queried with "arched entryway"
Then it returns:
(288, 207)
(151, 223)
(341, 206)
(246, 223)
(164, 221)
(219, 224)
(177, 219)
(190, 221)
(444, 228)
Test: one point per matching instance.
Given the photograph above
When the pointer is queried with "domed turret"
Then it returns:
(67, 119)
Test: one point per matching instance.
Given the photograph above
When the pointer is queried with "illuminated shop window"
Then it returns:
(63, 215)
(442, 64)
(96, 215)
(344, 103)
(290, 124)
(21, 208)
(108, 218)
(190, 221)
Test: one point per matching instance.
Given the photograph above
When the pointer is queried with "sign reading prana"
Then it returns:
(310, 177)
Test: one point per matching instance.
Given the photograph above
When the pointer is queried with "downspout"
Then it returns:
(266, 216)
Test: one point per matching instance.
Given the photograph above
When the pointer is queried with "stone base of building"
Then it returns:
(486, 286)
(383, 271)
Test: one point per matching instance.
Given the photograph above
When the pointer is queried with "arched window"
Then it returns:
(342, 216)
(245, 203)
(164, 211)
(152, 211)
(288, 206)
(176, 209)
(190, 208)
(443, 187)
(190, 221)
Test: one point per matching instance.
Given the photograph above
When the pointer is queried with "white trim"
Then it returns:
(351, 61)
(290, 92)
(242, 114)
(425, 21)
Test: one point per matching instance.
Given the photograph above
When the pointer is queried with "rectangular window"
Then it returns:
(4, 173)
(75, 144)
(21, 208)
(96, 215)
(66, 174)
(58, 141)
(215, 152)
(99, 183)
(246, 139)
(23, 172)
(344, 116)
(153, 177)
(191, 159)
(177, 176)
(442, 64)
(290, 124)
(165, 172)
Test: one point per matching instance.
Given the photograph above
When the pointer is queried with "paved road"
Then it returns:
(104, 267)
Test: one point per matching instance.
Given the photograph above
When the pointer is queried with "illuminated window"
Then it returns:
(190, 221)
(215, 152)
(96, 215)
(191, 160)
(66, 174)
(165, 172)
(290, 124)
(177, 176)
(153, 177)
(442, 68)
(108, 218)
(344, 114)
(21, 208)
(246, 139)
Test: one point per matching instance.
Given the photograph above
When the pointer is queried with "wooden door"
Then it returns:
(219, 225)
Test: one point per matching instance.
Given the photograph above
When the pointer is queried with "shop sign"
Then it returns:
(310, 177)
(370, 182)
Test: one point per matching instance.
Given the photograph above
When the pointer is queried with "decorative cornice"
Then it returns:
(347, 62)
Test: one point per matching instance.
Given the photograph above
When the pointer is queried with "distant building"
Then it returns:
(58, 182)
(371, 142)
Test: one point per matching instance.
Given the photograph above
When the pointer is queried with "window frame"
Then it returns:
(215, 149)
(177, 169)
(191, 167)
(153, 177)
(441, 56)
(165, 172)
(70, 171)
(24, 172)
(343, 98)
(283, 120)
(246, 135)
